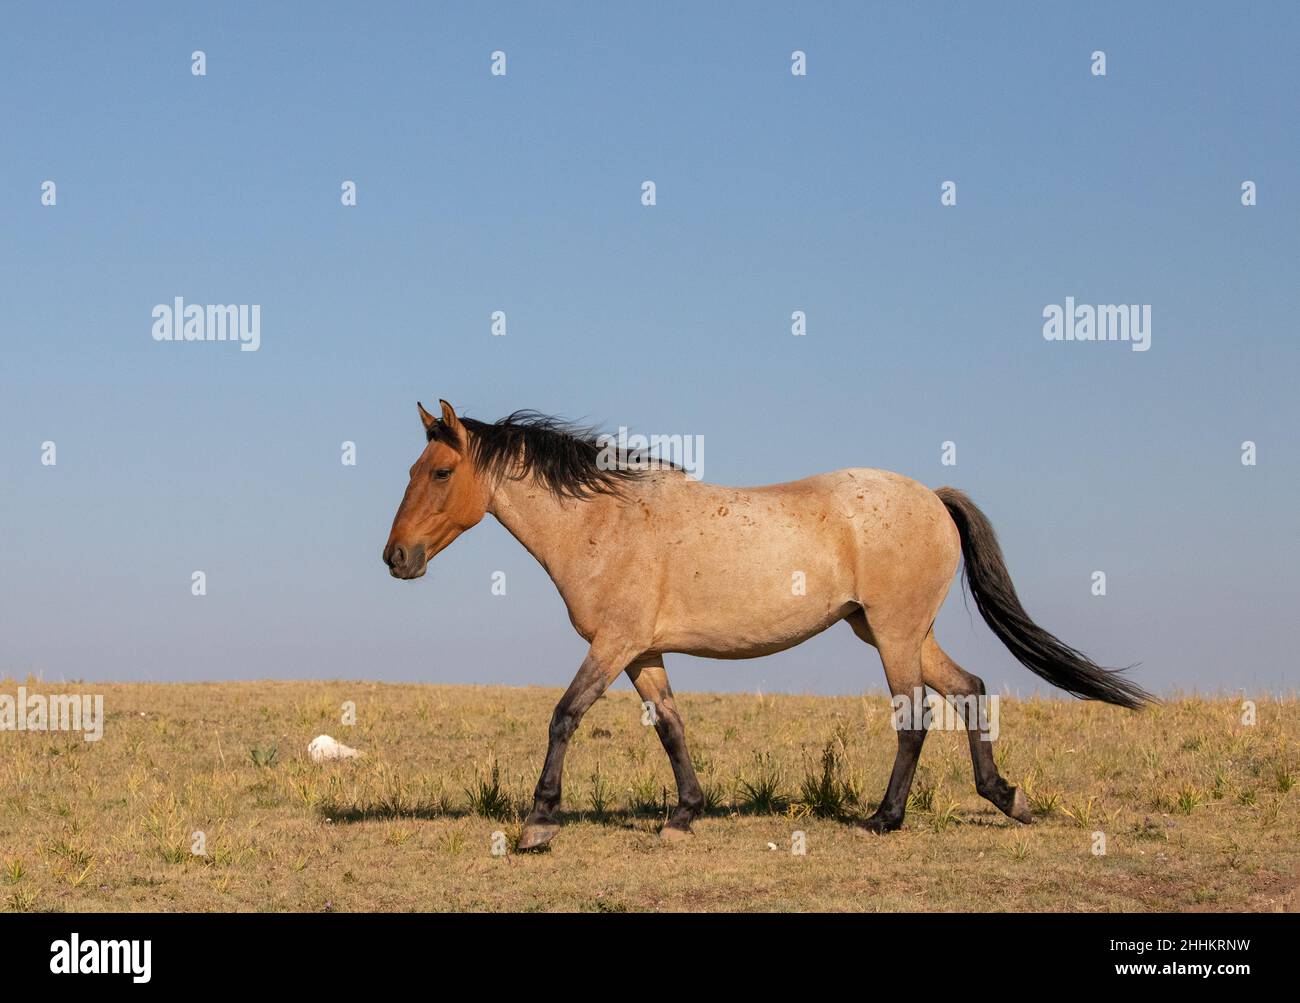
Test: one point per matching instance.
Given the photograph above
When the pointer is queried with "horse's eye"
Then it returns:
(442, 474)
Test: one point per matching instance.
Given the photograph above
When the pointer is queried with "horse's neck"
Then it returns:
(543, 523)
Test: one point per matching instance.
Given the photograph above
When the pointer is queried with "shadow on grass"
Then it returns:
(627, 818)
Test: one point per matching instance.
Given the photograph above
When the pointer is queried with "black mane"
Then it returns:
(557, 454)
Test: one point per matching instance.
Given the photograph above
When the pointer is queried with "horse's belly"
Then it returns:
(748, 601)
(731, 636)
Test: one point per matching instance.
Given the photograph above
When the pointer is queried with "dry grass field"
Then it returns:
(1198, 810)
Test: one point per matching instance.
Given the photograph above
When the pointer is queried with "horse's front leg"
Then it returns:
(600, 668)
(651, 682)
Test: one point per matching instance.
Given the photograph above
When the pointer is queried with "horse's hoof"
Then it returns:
(536, 835)
(1020, 810)
(672, 834)
(877, 826)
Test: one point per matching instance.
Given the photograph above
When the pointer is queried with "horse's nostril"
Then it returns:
(394, 556)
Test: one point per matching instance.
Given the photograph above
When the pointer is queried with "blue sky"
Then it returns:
(522, 193)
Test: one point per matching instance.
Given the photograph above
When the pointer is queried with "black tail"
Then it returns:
(995, 596)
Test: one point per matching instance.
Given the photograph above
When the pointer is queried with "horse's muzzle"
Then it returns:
(405, 562)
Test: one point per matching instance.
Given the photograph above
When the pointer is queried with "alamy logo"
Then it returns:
(75, 956)
(59, 712)
(975, 712)
(177, 321)
(1098, 323)
(652, 452)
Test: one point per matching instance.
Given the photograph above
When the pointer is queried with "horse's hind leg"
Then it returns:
(900, 652)
(948, 678)
(651, 682)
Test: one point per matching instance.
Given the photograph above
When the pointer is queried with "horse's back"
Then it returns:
(879, 503)
(855, 493)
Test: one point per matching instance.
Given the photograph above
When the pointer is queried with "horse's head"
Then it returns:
(444, 498)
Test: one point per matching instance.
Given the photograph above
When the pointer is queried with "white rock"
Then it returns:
(324, 749)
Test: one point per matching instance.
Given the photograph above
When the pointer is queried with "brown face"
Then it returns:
(443, 499)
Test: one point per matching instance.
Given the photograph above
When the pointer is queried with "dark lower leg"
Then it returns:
(591, 681)
(889, 815)
(651, 683)
(690, 796)
(900, 653)
(967, 693)
(988, 781)
(546, 797)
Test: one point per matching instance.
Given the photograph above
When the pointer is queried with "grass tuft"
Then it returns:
(761, 794)
(824, 793)
(486, 798)
(263, 757)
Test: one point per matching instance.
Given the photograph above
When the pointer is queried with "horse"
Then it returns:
(650, 561)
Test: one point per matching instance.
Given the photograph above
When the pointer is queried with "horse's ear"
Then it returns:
(450, 420)
(428, 419)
